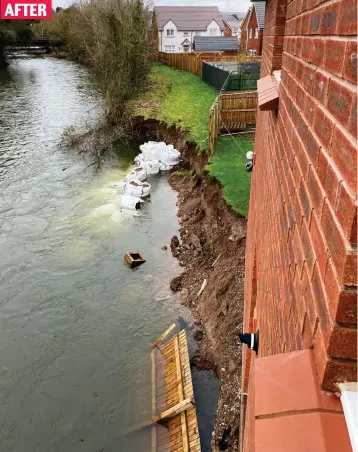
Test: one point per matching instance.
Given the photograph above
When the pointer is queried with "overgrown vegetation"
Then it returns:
(178, 98)
(13, 31)
(228, 166)
(111, 38)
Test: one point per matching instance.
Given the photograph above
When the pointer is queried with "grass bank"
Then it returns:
(182, 99)
(178, 98)
(227, 165)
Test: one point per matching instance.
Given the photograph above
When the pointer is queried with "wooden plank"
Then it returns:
(181, 396)
(175, 410)
(154, 428)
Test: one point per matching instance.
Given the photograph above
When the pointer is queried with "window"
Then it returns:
(252, 52)
(256, 33)
(250, 33)
(212, 31)
(169, 49)
(197, 33)
(170, 33)
(186, 33)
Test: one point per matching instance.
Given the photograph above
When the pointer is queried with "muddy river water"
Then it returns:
(75, 323)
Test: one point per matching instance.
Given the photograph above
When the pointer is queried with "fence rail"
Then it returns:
(222, 58)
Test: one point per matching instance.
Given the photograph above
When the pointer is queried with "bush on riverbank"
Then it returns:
(178, 98)
(228, 166)
(111, 38)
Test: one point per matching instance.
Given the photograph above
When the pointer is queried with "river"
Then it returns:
(76, 324)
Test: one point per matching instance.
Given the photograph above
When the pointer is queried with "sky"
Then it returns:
(223, 5)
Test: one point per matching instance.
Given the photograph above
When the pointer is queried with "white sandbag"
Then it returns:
(139, 159)
(150, 166)
(137, 188)
(163, 167)
(158, 151)
(138, 173)
(129, 202)
(170, 156)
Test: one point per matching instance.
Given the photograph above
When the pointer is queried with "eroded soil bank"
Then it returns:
(211, 248)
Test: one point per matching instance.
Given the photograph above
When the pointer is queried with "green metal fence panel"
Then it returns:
(242, 82)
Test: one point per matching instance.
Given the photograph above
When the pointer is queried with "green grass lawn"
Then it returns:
(227, 165)
(178, 98)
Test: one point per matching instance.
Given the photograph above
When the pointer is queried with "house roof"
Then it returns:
(260, 13)
(188, 18)
(230, 20)
(215, 43)
(247, 15)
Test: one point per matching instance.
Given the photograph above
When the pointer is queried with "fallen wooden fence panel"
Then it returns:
(174, 398)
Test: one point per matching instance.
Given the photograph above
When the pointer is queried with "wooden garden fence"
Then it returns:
(185, 61)
(231, 112)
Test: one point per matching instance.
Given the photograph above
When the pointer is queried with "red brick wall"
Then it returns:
(227, 30)
(303, 214)
(254, 43)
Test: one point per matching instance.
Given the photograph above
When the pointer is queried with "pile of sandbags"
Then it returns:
(155, 157)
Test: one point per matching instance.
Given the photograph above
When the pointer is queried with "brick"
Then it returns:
(346, 211)
(321, 303)
(299, 71)
(312, 145)
(333, 238)
(344, 154)
(315, 21)
(332, 286)
(297, 173)
(343, 343)
(320, 87)
(309, 109)
(316, 51)
(306, 48)
(300, 97)
(350, 62)
(347, 21)
(319, 245)
(331, 182)
(322, 164)
(305, 200)
(308, 297)
(340, 100)
(307, 247)
(329, 19)
(352, 125)
(335, 51)
(323, 126)
(309, 77)
(306, 20)
(350, 269)
(347, 306)
(332, 371)
(301, 156)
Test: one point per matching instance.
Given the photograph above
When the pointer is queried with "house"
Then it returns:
(177, 26)
(232, 25)
(252, 29)
(301, 245)
(226, 45)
